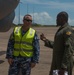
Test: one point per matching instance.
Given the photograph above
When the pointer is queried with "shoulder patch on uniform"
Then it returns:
(68, 33)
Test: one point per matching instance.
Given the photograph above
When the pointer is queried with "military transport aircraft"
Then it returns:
(7, 14)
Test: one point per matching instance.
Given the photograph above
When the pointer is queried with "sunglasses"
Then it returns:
(28, 20)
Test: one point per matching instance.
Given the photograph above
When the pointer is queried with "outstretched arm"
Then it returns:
(47, 42)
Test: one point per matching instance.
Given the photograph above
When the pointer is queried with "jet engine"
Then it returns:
(7, 14)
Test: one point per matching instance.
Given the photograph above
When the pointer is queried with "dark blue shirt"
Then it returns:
(10, 47)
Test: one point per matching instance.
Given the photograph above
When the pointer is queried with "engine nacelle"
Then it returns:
(6, 22)
(7, 14)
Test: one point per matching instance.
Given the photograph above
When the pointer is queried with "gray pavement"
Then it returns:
(45, 53)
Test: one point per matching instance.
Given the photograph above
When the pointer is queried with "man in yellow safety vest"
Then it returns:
(23, 48)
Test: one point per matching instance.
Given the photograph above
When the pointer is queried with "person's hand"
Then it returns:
(42, 37)
(61, 72)
(33, 65)
(10, 60)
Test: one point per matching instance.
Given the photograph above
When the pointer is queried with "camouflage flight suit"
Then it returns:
(22, 62)
(63, 50)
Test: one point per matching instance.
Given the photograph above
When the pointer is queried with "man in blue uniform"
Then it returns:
(63, 46)
(23, 48)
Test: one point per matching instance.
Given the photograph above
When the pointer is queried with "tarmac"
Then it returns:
(43, 67)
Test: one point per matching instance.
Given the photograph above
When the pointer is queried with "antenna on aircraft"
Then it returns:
(19, 8)
(19, 15)
(33, 14)
(27, 8)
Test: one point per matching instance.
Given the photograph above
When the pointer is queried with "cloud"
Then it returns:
(42, 18)
(58, 5)
(52, 4)
(15, 20)
(71, 21)
(31, 1)
(18, 20)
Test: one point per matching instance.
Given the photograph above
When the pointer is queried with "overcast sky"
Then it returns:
(44, 11)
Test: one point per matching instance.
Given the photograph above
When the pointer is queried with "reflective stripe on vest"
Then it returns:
(23, 44)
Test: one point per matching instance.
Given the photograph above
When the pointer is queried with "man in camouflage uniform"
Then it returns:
(63, 50)
(23, 48)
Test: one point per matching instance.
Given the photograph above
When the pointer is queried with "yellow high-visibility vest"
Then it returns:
(23, 44)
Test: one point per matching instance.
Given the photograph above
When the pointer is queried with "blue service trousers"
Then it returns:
(20, 62)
